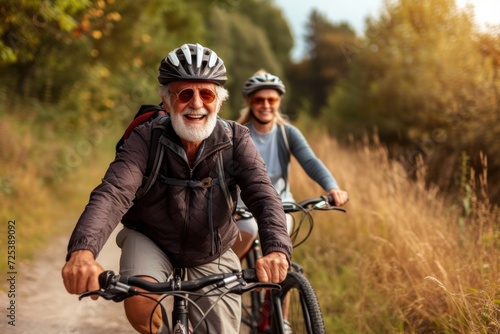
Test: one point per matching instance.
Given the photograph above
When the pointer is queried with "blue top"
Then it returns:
(273, 149)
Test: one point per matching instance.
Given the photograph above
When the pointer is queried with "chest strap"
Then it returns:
(207, 182)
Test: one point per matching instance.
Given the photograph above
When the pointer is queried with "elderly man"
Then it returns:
(183, 221)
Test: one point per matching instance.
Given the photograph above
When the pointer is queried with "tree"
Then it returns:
(92, 57)
(248, 35)
(270, 19)
(45, 45)
(25, 23)
(325, 64)
(415, 70)
(421, 80)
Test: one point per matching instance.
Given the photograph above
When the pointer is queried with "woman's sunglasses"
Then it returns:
(186, 95)
(262, 100)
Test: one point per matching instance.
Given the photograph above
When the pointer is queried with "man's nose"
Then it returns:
(196, 102)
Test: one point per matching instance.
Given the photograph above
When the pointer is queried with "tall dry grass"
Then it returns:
(23, 195)
(43, 202)
(402, 260)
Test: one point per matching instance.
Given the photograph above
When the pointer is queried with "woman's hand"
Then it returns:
(339, 196)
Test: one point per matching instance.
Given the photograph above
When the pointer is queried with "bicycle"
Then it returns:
(304, 312)
(117, 288)
(263, 313)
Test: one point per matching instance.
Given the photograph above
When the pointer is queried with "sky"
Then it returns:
(354, 12)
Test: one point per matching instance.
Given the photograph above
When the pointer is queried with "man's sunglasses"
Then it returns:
(262, 100)
(186, 95)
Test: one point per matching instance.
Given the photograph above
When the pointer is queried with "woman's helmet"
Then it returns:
(192, 62)
(263, 81)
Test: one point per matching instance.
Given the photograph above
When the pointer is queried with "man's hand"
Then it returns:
(272, 268)
(81, 273)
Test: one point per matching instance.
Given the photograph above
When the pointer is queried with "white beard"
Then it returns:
(194, 132)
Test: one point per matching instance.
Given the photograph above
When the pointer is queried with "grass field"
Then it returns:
(402, 260)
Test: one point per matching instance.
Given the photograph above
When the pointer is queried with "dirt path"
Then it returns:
(44, 306)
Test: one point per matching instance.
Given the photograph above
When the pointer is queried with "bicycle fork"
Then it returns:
(271, 314)
(277, 312)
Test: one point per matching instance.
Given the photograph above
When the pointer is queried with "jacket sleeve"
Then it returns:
(311, 164)
(259, 194)
(114, 196)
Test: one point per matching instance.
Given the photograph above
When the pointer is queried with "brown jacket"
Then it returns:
(176, 217)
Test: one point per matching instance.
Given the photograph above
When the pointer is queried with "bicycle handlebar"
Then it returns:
(318, 203)
(323, 203)
(117, 288)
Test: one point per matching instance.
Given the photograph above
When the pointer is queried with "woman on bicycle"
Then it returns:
(276, 140)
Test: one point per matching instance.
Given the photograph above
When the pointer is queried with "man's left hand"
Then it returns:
(272, 268)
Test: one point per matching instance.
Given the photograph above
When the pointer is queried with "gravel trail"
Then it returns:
(42, 304)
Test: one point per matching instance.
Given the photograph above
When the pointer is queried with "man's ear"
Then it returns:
(166, 105)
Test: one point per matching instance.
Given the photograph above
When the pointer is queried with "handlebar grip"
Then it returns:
(106, 278)
(331, 200)
(250, 275)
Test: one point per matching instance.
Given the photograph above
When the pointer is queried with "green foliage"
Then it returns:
(417, 68)
(271, 21)
(26, 23)
(254, 53)
(248, 36)
(107, 58)
(56, 49)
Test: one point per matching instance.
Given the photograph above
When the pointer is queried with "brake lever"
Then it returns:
(104, 294)
(116, 293)
(329, 208)
(240, 289)
(328, 204)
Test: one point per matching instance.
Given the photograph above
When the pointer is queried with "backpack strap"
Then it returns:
(221, 158)
(156, 153)
(138, 121)
(282, 127)
(146, 113)
(284, 154)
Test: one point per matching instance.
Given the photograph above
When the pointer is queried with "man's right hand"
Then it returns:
(81, 273)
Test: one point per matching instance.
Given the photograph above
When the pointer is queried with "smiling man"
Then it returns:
(185, 220)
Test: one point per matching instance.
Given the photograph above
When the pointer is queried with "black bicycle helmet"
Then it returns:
(192, 62)
(263, 81)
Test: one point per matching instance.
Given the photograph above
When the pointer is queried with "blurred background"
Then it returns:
(401, 99)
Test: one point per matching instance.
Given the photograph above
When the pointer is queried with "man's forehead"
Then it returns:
(180, 85)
